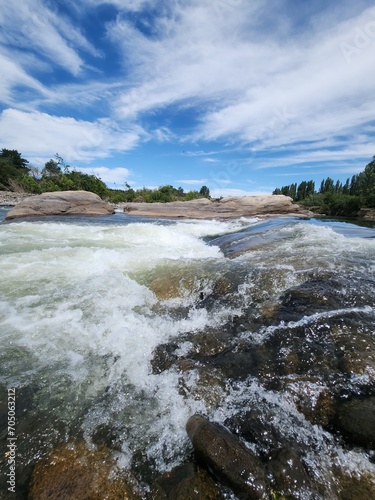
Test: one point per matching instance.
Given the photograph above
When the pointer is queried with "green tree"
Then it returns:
(51, 169)
(366, 184)
(12, 167)
(205, 192)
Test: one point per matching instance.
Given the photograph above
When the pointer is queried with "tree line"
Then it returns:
(17, 175)
(335, 197)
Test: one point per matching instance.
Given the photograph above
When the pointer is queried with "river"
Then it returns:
(116, 330)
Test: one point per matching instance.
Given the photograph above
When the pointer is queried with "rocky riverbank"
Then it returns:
(224, 208)
(10, 199)
(203, 208)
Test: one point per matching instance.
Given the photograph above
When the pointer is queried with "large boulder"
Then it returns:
(61, 203)
(227, 457)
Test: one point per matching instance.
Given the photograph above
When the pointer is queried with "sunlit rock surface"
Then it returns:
(242, 206)
(61, 203)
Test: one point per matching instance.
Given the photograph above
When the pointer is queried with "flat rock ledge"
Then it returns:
(61, 203)
(225, 208)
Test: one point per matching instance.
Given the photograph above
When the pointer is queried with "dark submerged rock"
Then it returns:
(356, 421)
(185, 482)
(288, 474)
(228, 459)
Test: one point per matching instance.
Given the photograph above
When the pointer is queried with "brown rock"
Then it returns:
(61, 203)
(228, 459)
(73, 471)
(185, 482)
(354, 488)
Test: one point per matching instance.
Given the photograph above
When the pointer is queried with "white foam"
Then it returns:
(85, 329)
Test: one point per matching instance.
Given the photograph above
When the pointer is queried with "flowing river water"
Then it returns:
(116, 330)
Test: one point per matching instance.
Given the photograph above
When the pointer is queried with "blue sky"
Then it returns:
(240, 95)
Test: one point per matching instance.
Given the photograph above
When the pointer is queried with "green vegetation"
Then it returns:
(16, 175)
(335, 198)
(12, 167)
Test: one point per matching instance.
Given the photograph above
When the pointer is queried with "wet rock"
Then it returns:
(185, 482)
(255, 426)
(227, 458)
(355, 347)
(164, 357)
(316, 295)
(288, 474)
(73, 471)
(172, 285)
(105, 435)
(319, 411)
(209, 386)
(61, 203)
(212, 341)
(356, 488)
(356, 421)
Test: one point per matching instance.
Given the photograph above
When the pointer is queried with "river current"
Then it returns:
(116, 330)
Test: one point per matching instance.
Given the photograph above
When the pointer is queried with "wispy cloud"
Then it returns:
(191, 182)
(31, 25)
(111, 176)
(79, 140)
(268, 87)
(217, 193)
(229, 81)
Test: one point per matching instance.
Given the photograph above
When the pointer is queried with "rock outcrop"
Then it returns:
(61, 203)
(225, 208)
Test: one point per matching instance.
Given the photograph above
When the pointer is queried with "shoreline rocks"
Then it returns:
(225, 208)
(10, 199)
(61, 203)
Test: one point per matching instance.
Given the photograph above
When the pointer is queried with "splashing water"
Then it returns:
(86, 304)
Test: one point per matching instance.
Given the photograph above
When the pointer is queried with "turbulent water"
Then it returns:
(118, 329)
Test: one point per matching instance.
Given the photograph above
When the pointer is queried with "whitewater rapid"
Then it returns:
(80, 322)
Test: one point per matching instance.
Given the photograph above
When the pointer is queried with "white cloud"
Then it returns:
(250, 81)
(31, 25)
(39, 134)
(191, 182)
(13, 75)
(111, 176)
(217, 193)
(243, 75)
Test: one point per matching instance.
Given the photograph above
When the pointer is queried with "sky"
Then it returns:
(242, 96)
